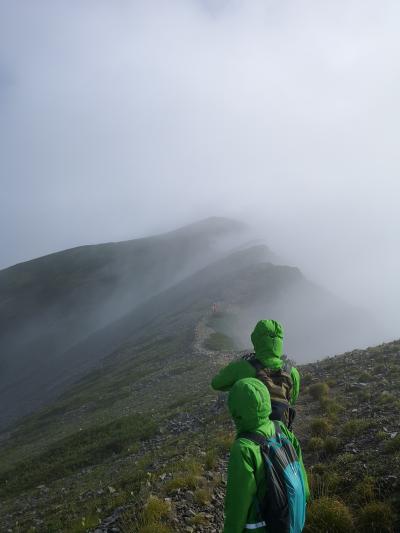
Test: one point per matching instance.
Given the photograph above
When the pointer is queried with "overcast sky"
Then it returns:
(123, 118)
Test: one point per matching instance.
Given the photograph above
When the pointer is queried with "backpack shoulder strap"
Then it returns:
(255, 437)
(256, 363)
(278, 430)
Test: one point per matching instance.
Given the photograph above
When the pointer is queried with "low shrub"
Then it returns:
(318, 390)
(393, 445)
(323, 485)
(351, 428)
(344, 459)
(331, 445)
(382, 435)
(330, 407)
(364, 377)
(198, 519)
(155, 510)
(210, 459)
(153, 516)
(376, 517)
(328, 514)
(320, 427)
(315, 444)
(386, 398)
(186, 481)
(224, 442)
(202, 496)
(364, 491)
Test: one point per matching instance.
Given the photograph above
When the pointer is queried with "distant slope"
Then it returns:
(61, 316)
(50, 304)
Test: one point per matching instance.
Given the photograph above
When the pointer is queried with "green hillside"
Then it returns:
(141, 444)
(49, 305)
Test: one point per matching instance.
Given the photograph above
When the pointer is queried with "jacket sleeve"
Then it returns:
(241, 489)
(227, 376)
(296, 385)
(297, 447)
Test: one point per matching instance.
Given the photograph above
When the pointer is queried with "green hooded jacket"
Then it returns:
(250, 406)
(267, 339)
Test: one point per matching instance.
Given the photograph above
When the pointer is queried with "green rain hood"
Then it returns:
(250, 406)
(267, 339)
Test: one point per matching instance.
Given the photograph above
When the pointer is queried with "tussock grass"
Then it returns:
(320, 427)
(315, 444)
(376, 517)
(202, 496)
(354, 427)
(393, 445)
(328, 514)
(331, 445)
(185, 481)
(318, 390)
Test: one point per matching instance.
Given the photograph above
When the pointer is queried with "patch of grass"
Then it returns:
(382, 435)
(146, 516)
(353, 427)
(155, 509)
(151, 528)
(202, 496)
(328, 515)
(188, 465)
(198, 519)
(386, 398)
(180, 401)
(318, 390)
(79, 450)
(365, 490)
(315, 444)
(185, 481)
(210, 459)
(364, 395)
(376, 517)
(344, 459)
(224, 442)
(320, 427)
(306, 379)
(219, 342)
(364, 377)
(330, 407)
(393, 445)
(331, 445)
(323, 483)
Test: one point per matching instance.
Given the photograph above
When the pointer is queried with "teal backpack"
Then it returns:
(283, 507)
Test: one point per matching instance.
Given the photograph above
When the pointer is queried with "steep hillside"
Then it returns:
(141, 444)
(51, 304)
(62, 315)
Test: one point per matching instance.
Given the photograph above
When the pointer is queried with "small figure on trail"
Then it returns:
(214, 308)
(267, 482)
(269, 366)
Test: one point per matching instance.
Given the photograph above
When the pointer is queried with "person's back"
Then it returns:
(250, 407)
(269, 367)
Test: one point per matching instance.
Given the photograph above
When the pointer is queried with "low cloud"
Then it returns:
(120, 119)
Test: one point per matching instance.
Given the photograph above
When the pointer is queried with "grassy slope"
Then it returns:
(56, 477)
(49, 305)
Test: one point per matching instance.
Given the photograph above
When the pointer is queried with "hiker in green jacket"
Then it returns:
(267, 365)
(250, 407)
